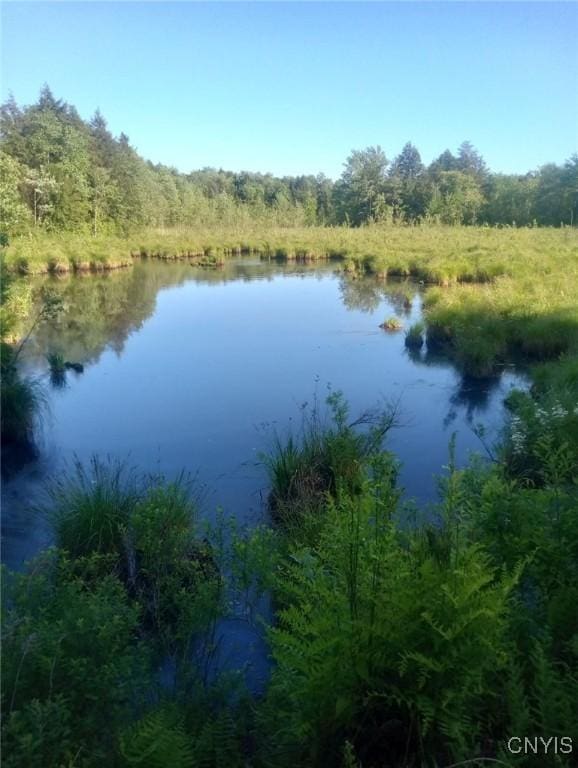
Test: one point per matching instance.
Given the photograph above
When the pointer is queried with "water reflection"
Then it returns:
(367, 293)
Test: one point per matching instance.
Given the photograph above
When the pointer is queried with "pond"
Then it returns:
(192, 369)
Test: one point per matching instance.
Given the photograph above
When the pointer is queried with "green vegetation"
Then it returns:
(60, 172)
(330, 452)
(132, 584)
(21, 401)
(392, 645)
(392, 324)
(414, 336)
(22, 397)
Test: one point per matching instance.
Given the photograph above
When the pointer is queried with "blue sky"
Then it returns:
(293, 87)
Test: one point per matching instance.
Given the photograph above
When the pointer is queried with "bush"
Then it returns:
(72, 662)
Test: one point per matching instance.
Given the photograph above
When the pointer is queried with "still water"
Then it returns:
(189, 369)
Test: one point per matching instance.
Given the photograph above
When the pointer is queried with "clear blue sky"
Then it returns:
(293, 87)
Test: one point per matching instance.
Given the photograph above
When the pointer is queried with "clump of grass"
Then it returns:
(174, 574)
(57, 369)
(21, 401)
(143, 532)
(90, 510)
(414, 336)
(392, 324)
(328, 457)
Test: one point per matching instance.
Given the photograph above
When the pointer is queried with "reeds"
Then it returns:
(90, 509)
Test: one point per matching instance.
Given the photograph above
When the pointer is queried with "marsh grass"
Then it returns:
(327, 457)
(392, 324)
(147, 528)
(22, 401)
(414, 336)
(90, 509)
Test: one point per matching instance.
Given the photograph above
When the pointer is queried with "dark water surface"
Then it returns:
(189, 369)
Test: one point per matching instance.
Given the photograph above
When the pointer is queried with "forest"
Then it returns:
(62, 173)
(397, 636)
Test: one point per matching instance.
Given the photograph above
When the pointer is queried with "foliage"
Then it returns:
(70, 645)
(62, 173)
(86, 629)
(397, 641)
(21, 401)
(91, 509)
(383, 642)
(156, 741)
(392, 645)
(176, 576)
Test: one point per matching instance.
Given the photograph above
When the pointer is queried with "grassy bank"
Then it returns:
(434, 254)
(499, 294)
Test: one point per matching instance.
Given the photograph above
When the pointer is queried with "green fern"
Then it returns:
(158, 740)
(217, 746)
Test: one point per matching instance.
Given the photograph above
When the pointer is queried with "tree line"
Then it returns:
(60, 172)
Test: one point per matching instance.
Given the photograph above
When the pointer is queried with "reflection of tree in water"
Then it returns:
(103, 310)
(99, 310)
(367, 293)
(472, 395)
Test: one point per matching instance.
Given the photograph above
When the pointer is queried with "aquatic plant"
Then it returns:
(414, 336)
(175, 574)
(22, 399)
(392, 324)
(90, 508)
(326, 457)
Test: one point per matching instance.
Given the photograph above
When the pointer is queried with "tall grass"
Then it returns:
(327, 457)
(91, 508)
(22, 400)
(392, 645)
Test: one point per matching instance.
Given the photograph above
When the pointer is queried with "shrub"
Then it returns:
(72, 662)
